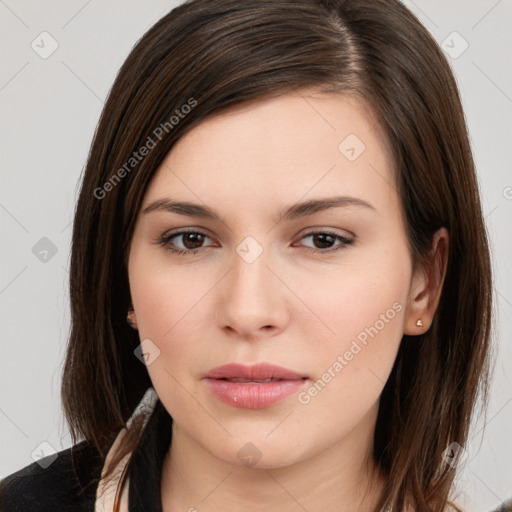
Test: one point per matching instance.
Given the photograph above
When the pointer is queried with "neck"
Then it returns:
(344, 474)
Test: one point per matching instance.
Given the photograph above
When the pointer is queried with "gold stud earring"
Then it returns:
(130, 318)
(419, 323)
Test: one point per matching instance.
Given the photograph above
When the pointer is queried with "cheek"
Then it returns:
(351, 298)
(353, 366)
(164, 297)
(364, 307)
(172, 311)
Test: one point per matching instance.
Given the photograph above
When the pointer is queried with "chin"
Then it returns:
(258, 454)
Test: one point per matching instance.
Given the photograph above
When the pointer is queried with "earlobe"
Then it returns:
(416, 321)
(426, 286)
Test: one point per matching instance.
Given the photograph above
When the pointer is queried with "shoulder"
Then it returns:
(67, 482)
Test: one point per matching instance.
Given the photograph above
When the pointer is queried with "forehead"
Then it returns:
(289, 146)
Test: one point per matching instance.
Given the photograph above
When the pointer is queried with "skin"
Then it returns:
(290, 306)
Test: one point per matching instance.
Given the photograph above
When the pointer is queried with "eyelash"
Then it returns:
(164, 242)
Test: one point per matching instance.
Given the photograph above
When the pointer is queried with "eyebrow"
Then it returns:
(295, 211)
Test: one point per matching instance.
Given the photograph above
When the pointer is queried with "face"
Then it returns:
(296, 256)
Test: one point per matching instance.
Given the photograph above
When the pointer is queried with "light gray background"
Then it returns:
(49, 109)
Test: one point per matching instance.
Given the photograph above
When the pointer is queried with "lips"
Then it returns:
(257, 372)
(237, 379)
(253, 387)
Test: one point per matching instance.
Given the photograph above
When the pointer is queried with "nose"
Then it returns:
(252, 301)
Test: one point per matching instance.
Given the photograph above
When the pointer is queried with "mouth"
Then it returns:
(253, 387)
(238, 379)
(255, 373)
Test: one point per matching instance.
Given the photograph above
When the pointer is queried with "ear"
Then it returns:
(426, 286)
(131, 317)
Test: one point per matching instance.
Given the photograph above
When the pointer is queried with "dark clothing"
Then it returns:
(69, 484)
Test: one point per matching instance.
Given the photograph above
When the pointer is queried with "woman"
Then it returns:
(281, 200)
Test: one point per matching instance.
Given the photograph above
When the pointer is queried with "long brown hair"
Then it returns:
(210, 55)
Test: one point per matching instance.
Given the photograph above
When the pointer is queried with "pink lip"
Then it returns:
(252, 394)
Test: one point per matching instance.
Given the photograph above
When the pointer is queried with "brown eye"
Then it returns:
(325, 241)
(184, 242)
(192, 240)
